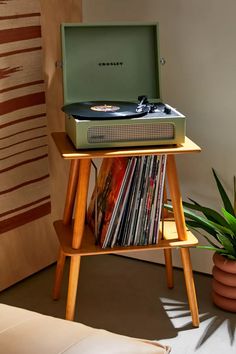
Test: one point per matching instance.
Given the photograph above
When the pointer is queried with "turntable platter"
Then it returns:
(99, 110)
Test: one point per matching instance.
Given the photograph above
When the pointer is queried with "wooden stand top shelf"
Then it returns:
(67, 150)
(88, 247)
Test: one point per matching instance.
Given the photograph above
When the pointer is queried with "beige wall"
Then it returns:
(197, 39)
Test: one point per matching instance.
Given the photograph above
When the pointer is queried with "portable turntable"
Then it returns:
(106, 68)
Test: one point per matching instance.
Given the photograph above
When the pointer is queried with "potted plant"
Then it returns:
(219, 229)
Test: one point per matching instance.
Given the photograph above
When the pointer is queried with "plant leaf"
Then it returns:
(206, 222)
(226, 201)
(221, 251)
(227, 244)
(230, 238)
(218, 250)
(208, 212)
(195, 225)
(203, 222)
(234, 195)
(231, 220)
(207, 238)
(230, 257)
(168, 206)
(222, 234)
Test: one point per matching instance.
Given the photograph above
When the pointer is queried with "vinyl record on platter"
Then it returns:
(99, 110)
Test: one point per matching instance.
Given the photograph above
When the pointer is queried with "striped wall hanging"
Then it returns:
(24, 176)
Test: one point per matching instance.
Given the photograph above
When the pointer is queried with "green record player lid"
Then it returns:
(110, 62)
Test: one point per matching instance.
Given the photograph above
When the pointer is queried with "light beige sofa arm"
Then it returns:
(27, 332)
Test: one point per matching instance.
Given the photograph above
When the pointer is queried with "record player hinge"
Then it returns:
(162, 61)
(59, 64)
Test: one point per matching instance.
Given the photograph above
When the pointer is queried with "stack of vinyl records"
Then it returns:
(126, 204)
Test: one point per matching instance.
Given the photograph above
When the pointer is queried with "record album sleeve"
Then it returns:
(106, 191)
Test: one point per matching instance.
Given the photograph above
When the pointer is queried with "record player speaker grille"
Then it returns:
(126, 132)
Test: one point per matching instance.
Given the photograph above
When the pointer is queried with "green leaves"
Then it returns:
(218, 250)
(195, 225)
(227, 244)
(231, 219)
(204, 222)
(221, 227)
(209, 213)
(226, 201)
(234, 195)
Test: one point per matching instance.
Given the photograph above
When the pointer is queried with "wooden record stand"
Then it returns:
(77, 240)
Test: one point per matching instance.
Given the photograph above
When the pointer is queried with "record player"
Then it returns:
(111, 87)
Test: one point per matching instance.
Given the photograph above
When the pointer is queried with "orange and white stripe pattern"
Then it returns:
(24, 177)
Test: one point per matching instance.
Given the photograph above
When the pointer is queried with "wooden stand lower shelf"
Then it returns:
(88, 247)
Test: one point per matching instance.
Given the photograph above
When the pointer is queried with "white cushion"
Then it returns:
(27, 332)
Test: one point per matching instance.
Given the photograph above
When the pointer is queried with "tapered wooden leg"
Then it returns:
(81, 202)
(167, 251)
(80, 212)
(67, 217)
(190, 287)
(176, 198)
(169, 268)
(59, 275)
(72, 287)
(71, 191)
(182, 235)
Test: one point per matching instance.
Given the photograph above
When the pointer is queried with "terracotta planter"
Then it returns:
(224, 283)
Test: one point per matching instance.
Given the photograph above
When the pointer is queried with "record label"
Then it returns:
(105, 108)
